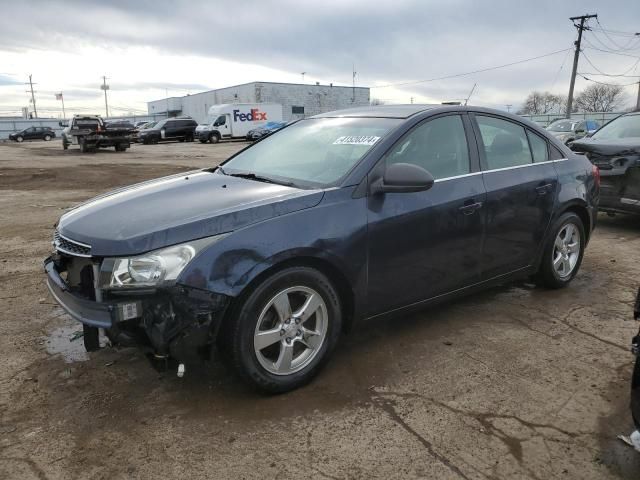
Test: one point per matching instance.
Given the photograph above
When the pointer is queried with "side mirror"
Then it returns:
(403, 178)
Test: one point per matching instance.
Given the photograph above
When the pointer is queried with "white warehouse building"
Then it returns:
(298, 100)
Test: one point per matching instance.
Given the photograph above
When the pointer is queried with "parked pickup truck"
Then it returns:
(90, 132)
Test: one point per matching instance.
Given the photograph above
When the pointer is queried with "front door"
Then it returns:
(520, 193)
(425, 244)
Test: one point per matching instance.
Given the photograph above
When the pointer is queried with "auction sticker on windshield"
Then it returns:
(356, 140)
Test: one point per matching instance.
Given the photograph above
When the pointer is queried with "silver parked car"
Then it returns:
(567, 130)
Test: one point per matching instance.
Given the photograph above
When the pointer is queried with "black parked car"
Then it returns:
(33, 133)
(180, 128)
(328, 222)
(615, 150)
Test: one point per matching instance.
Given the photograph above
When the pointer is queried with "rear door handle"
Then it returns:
(544, 189)
(470, 208)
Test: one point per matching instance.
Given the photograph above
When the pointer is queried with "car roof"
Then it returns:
(379, 111)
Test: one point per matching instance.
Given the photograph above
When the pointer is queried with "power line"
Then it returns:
(611, 39)
(609, 84)
(593, 47)
(471, 73)
(555, 80)
(611, 74)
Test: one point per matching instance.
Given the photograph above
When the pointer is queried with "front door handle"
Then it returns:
(470, 207)
(544, 189)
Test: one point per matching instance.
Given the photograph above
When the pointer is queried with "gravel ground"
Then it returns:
(516, 382)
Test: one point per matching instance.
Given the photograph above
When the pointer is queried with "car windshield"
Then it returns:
(311, 153)
(561, 126)
(627, 126)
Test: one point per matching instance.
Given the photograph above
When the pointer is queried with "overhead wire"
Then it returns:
(445, 77)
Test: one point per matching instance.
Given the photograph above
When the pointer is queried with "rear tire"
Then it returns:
(19, 139)
(283, 332)
(47, 138)
(562, 253)
(91, 338)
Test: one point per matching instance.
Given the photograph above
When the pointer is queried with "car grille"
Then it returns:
(70, 247)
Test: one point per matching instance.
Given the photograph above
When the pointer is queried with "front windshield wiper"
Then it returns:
(257, 178)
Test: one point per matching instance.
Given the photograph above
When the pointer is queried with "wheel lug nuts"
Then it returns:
(297, 320)
(282, 332)
(288, 340)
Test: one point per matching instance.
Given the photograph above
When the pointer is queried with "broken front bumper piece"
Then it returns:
(180, 322)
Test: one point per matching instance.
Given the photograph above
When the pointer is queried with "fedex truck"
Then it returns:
(234, 120)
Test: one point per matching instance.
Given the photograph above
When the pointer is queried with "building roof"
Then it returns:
(252, 83)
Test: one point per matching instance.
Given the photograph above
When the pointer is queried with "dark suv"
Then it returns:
(316, 229)
(33, 133)
(181, 129)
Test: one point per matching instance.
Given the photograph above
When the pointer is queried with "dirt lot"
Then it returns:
(516, 382)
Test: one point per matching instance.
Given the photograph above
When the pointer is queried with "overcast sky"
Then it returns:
(149, 47)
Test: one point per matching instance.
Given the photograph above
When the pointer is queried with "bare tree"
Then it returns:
(601, 98)
(538, 103)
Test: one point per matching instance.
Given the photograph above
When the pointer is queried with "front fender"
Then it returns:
(333, 231)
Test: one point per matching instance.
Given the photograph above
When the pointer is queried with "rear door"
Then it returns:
(425, 244)
(520, 193)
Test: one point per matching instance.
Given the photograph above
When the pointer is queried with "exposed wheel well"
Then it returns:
(347, 297)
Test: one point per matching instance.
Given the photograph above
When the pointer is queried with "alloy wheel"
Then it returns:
(291, 330)
(566, 250)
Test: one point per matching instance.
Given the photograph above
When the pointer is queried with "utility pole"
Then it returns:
(33, 98)
(581, 27)
(638, 100)
(508, 107)
(105, 87)
(353, 95)
(303, 74)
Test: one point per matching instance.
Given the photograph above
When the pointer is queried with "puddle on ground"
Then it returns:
(67, 342)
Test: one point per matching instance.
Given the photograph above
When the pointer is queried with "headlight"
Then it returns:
(154, 268)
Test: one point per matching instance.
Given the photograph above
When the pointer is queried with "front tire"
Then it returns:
(284, 330)
(214, 138)
(563, 252)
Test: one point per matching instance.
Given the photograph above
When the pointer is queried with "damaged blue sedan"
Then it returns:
(329, 222)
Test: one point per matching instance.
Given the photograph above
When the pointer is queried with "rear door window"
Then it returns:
(505, 143)
(539, 147)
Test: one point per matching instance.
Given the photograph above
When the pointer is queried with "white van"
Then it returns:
(234, 120)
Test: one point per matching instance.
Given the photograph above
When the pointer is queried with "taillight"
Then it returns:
(596, 175)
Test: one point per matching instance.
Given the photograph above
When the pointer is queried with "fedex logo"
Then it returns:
(253, 116)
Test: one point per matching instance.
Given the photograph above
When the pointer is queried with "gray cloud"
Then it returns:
(391, 42)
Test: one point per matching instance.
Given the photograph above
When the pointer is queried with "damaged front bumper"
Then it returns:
(178, 321)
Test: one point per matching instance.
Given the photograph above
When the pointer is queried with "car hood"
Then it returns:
(624, 146)
(176, 209)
